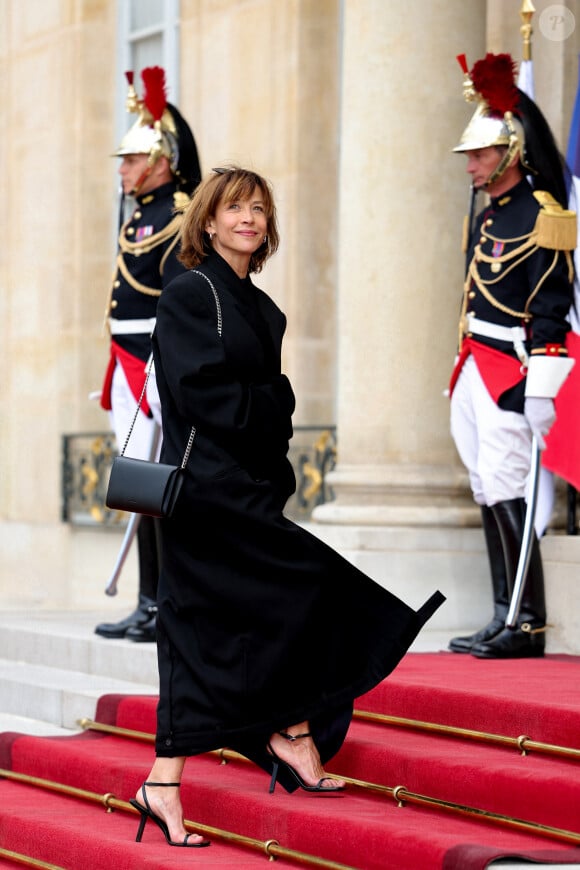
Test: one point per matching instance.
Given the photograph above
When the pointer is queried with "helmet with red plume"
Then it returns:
(506, 116)
(495, 122)
(160, 130)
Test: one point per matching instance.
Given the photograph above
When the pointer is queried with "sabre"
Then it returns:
(121, 207)
(132, 525)
(527, 538)
(130, 532)
(470, 219)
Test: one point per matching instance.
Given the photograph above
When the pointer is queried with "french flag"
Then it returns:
(562, 453)
(526, 78)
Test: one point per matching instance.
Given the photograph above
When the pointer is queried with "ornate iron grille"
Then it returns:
(87, 458)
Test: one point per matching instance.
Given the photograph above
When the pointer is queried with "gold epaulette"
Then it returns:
(555, 226)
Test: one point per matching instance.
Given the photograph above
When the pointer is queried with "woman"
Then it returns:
(265, 634)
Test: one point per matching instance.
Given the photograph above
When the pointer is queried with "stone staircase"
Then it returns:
(53, 669)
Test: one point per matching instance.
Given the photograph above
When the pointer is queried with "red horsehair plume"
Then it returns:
(494, 78)
(155, 96)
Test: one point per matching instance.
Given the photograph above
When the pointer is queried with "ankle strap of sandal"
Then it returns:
(163, 784)
(293, 737)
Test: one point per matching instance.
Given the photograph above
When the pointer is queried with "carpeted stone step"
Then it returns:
(536, 787)
(539, 788)
(362, 830)
(73, 834)
(538, 698)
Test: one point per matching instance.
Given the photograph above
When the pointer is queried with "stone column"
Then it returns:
(403, 195)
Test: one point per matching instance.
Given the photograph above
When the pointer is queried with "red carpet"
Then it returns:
(360, 829)
(536, 697)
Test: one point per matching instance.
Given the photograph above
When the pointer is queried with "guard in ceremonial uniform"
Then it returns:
(512, 357)
(159, 170)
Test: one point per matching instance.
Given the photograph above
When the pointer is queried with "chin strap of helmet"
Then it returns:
(514, 147)
(141, 180)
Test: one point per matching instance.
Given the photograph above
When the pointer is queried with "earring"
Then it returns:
(210, 237)
(265, 239)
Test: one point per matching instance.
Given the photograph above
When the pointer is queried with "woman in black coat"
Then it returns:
(265, 635)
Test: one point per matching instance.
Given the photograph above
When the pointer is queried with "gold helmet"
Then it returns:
(491, 83)
(154, 132)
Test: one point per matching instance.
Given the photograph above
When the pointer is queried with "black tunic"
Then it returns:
(515, 277)
(260, 624)
(536, 280)
(146, 263)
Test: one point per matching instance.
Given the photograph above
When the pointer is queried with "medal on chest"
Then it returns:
(143, 233)
(496, 252)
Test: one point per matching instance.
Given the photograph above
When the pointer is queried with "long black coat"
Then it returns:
(260, 624)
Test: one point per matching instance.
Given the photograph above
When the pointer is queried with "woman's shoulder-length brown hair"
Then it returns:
(225, 185)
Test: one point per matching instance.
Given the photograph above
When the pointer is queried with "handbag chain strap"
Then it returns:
(217, 300)
(149, 367)
(143, 391)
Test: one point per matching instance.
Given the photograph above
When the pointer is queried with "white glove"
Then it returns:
(540, 414)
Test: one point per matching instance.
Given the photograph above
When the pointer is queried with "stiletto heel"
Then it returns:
(275, 768)
(277, 761)
(142, 822)
(147, 813)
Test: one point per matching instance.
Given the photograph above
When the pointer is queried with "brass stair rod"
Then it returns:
(90, 725)
(224, 755)
(27, 860)
(523, 744)
(400, 794)
(49, 785)
(271, 848)
(86, 724)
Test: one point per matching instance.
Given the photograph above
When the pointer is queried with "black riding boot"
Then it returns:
(149, 545)
(499, 585)
(149, 569)
(142, 615)
(526, 640)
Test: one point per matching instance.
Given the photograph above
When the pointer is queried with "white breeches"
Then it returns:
(494, 445)
(124, 405)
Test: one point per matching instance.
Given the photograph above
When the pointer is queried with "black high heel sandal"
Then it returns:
(147, 813)
(277, 762)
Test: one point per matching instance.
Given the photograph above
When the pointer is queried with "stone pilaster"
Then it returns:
(403, 195)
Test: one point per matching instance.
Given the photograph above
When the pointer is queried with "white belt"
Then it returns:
(131, 327)
(515, 334)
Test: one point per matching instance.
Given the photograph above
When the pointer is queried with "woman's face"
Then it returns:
(239, 227)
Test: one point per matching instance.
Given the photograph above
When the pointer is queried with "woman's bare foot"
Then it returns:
(302, 754)
(165, 802)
